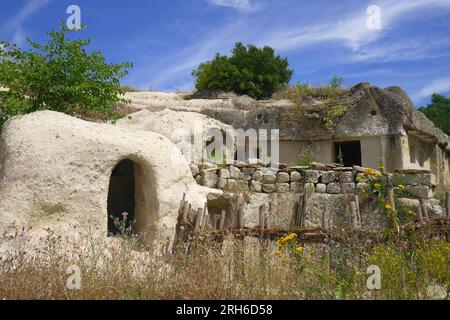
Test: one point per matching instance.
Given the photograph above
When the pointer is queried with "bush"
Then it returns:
(61, 76)
(253, 71)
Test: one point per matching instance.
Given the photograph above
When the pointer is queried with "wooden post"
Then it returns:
(222, 220)
(241, 218)
(262, 210)
(419, 213)
(299, 213)
(198, 219)
(303, 212)
(214, 219)
(393, 211)
(268, 217)
(185, 212)
(354, 214)
(447, 202)
(391, 198)
(182, 201)
(326, 218)
(205, 219)
(423, 206)
(358, 211)
(262, 213)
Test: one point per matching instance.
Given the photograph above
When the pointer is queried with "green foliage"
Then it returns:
(253, 71)
(59, 75)
(305, 158)
(336, 82)
(438, 111)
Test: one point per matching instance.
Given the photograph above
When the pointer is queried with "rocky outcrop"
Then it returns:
(55, 171)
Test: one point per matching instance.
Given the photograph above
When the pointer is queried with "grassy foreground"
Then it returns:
(234, 269)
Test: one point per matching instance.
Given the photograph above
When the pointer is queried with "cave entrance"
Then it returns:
(121, 198)
(348, 153)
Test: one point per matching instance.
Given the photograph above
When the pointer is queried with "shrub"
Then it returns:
(336, 82)
(253, 71)
(305, 158)
(59, 75)
(438, 111)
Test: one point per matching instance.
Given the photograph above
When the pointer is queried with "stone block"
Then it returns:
(282, 177)
(296, 176)
(321, 188)
(268, 188)
(345, 177)
(282, 187)
(328, 177)
(255, 186)
(312, 176)
(224, 174)
(334, 188)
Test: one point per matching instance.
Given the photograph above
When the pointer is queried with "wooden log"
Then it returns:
(183, 200)
(447, 203)
(262, 210)
(185, 213)
(354, 215)
(268, 217)
(205, 218)
(198, 219)
(298, 216)
(303, 212)
(214, 219)
(326, 218)
(222, 220)
(420, 214)
(423, 206)
(358, 211)
(393, 211)
(241, 218)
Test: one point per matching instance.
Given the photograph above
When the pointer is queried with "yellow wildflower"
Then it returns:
(377, 186)
(402, 186)
(411, 213)
(299, 249)
(286, 239)
(381, 168)
(378, 174)
(388, 206)
(370, 172)
(278, 252)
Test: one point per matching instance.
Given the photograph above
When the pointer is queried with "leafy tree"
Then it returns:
(438, 111)
(253, 71)
(336, 82)
(61, 76)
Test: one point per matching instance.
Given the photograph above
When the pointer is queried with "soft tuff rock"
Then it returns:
(55, 173)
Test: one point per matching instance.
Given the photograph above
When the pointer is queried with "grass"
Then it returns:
(234, 269)
(300, 91)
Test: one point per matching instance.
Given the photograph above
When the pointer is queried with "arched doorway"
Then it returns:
(122, 198)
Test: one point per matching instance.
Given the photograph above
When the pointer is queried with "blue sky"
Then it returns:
(167, 39)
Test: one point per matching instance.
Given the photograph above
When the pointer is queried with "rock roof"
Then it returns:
(363, 110)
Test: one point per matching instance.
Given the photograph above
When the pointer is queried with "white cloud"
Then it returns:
(15, 24)
(342, 27)
(242, 5)
(441, 86)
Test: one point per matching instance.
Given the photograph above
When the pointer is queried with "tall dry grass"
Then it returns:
(233, 269)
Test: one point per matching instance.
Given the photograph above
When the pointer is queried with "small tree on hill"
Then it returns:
(438, 111)
(61, 76)
(253, 71)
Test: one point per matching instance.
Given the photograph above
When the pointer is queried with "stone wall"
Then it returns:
(317, 178)
(331, 188)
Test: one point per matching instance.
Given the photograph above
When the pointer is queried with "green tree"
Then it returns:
(253, 71)
(60, 75)
(438, 111)
(336, 82)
